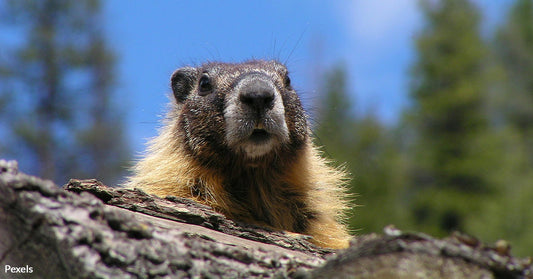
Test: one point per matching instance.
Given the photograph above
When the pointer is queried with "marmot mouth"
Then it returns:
(259, 136)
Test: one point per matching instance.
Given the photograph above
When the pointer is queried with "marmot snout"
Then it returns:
(236, 138)
(255, 115)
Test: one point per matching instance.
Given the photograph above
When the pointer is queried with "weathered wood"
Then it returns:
(89, 230)
(415, 255)
(187, 211)
(61, 234)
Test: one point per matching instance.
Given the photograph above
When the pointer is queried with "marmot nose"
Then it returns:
(258, 95)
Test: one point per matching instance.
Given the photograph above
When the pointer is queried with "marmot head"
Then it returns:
(245, 111)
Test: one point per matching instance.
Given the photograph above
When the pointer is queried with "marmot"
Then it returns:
(237, 138)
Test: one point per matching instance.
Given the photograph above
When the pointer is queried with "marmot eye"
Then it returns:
(287, 81)
(205, 85)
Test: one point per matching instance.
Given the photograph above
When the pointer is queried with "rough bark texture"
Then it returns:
(416, 255)
(89, 230)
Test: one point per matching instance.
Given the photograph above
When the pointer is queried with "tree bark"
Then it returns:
(89, 230)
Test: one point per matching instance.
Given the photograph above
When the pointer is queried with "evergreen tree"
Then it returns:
(514, 47)
(509, 213)
(448, 95)
(334, 113)
(102, 141)
(58, 68)
(368, 151)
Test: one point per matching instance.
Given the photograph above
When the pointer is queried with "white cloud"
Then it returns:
(376, 23)
(379, 49)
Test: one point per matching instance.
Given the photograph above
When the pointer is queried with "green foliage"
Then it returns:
(510, 212)
(57, 84)
(448, 92)
(335, 111)
(370, 155)
(514, 47)
(462, 157)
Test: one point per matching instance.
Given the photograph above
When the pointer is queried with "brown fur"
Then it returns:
(291, 188)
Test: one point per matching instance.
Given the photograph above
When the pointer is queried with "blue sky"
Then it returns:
(373, 39)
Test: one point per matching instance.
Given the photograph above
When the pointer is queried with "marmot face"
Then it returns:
(246, 111)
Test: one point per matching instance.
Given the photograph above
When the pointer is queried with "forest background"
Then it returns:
(437, 130)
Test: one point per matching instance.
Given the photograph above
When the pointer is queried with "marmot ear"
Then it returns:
(182, 82)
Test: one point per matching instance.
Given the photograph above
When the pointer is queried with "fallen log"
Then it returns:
(89, 230)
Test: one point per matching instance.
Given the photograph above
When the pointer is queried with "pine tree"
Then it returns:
(448, 117)
(514, 47)
(334, 112)
(102, 141)
(509, 213)
(55, 70)
(367, 150)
